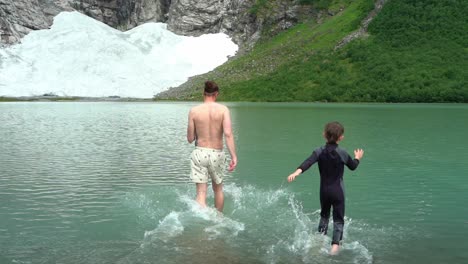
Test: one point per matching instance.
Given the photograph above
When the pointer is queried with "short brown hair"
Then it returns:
(333, 131)
(211, 88)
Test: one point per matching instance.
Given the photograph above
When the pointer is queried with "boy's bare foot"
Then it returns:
(334, 249)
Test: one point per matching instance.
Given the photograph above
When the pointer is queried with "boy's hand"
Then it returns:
(293, 175)
(358, 153)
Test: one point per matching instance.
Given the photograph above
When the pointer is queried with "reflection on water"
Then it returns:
(108, 183)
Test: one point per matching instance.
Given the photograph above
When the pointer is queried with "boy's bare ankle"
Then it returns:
(334, 249)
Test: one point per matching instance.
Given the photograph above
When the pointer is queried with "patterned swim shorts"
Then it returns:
(207, 163)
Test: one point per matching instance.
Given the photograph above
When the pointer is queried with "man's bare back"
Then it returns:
(208, 124)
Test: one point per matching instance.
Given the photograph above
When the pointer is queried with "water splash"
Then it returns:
(170, 226)
(273, 222)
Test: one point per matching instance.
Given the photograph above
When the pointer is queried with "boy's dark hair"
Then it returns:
(211, 88)
(333, 131)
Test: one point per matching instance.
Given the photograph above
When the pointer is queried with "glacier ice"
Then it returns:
(80, 56)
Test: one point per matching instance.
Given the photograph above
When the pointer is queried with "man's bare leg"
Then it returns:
(219, 196)
(334, 249)
(201, 194)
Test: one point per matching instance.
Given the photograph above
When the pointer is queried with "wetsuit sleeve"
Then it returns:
(310, 160)
(351, 163)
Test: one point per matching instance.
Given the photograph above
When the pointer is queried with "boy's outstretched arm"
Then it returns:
(304, 166)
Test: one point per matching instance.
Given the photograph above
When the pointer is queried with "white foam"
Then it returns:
(362, 254)
(219, 225)
(80, 56)
(246, 194)
(170, 226)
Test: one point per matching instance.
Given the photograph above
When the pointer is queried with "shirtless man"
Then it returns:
(206, 125)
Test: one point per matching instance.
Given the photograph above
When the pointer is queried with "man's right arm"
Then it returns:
(190, 128)
(227, 130)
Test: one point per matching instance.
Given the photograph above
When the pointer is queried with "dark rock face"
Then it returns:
(131, 13)
(124, 14)
(102, 10)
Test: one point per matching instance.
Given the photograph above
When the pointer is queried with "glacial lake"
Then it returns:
(87, 182)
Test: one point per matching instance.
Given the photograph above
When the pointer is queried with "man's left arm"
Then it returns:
(228, 135)
(191, 136)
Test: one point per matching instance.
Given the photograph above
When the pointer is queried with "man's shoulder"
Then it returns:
(204, 107)
(220, 107)
(223, 106)
(196, 108)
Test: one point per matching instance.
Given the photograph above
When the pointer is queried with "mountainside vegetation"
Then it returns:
(414, 51)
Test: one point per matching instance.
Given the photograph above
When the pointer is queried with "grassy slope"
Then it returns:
(417, 52)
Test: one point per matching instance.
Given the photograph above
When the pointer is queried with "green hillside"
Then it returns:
(416, 51)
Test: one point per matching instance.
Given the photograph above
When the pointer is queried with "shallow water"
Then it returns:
(108, 183)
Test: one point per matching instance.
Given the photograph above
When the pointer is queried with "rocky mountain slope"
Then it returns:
(240, 19)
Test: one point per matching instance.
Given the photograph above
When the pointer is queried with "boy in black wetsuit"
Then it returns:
(331, 160)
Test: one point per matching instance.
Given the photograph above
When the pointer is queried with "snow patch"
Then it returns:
(80, 56)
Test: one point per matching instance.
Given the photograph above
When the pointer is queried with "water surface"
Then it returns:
(108, 183)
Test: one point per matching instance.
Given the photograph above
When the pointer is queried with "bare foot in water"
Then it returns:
(334, 249)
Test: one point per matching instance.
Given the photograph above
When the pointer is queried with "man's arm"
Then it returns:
(227, 130)
(191, 136)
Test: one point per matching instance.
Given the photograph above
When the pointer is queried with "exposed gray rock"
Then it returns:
(233, 17)
(19, 17)
(236, 18)
(362, 31)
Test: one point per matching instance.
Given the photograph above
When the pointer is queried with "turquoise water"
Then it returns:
(108, 183)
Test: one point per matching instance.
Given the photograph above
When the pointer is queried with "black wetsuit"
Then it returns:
(331, 160)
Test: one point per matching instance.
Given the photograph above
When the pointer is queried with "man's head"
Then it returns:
(211, 89)
(333, 132)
